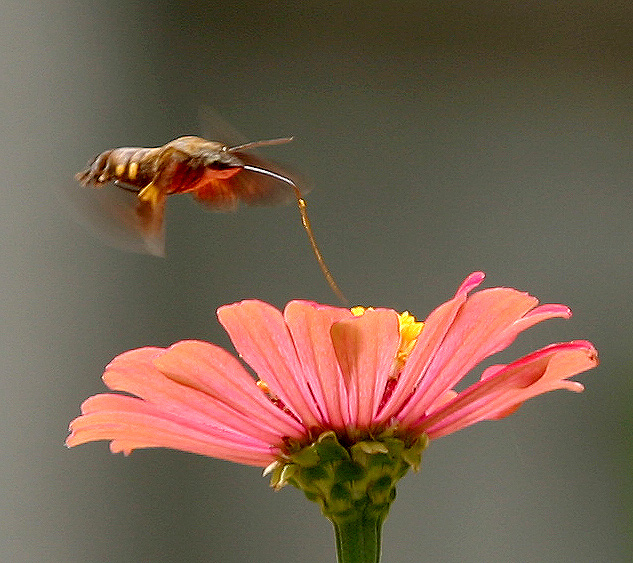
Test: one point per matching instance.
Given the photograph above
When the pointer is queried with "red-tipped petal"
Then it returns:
(435, 328)
(487, 322)
(503, 390)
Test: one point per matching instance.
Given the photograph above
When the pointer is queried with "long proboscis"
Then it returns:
(305, 220)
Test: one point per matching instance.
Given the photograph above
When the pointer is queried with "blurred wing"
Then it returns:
(276, 187)
(149, 222)
(114, 216)
(214, 126)
(219, 194)
(251, 187)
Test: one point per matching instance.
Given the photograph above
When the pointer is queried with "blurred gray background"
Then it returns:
(441, 138)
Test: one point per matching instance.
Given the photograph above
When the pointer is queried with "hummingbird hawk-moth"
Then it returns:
(216, 175)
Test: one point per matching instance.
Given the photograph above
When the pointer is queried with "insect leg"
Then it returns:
(126, 188)
(150, 194)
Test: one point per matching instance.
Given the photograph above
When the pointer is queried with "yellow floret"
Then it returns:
(410, 329)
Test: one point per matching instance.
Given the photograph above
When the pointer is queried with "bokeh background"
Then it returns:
(441, 138)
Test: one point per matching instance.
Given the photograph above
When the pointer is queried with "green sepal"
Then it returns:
(354, 485)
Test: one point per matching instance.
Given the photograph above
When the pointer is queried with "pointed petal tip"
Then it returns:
(564, 311)
(551, 310)
(592, 353)
(580, 344)
(471, 282)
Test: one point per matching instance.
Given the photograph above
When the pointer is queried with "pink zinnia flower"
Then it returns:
(325, 368)
(360, 382)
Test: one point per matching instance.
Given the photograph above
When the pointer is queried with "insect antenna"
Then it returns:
(265, 143)
(305, 220)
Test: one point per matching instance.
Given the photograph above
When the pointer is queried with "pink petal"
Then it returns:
(220, 377)
(486, 323)
(536, 315)
(204, 403)
(366, 348)
(435, 328)
(131, 423)
(261, 337)
(197, 397)
(505, 388)
(309, 324)
(442, 400)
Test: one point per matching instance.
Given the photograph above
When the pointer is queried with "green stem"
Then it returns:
(358, 539)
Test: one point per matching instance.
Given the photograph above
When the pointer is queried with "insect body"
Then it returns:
(190, 164)
(217, 175)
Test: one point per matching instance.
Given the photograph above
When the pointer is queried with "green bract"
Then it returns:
(353, 485)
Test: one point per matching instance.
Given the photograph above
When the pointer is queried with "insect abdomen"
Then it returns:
(129, 165)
